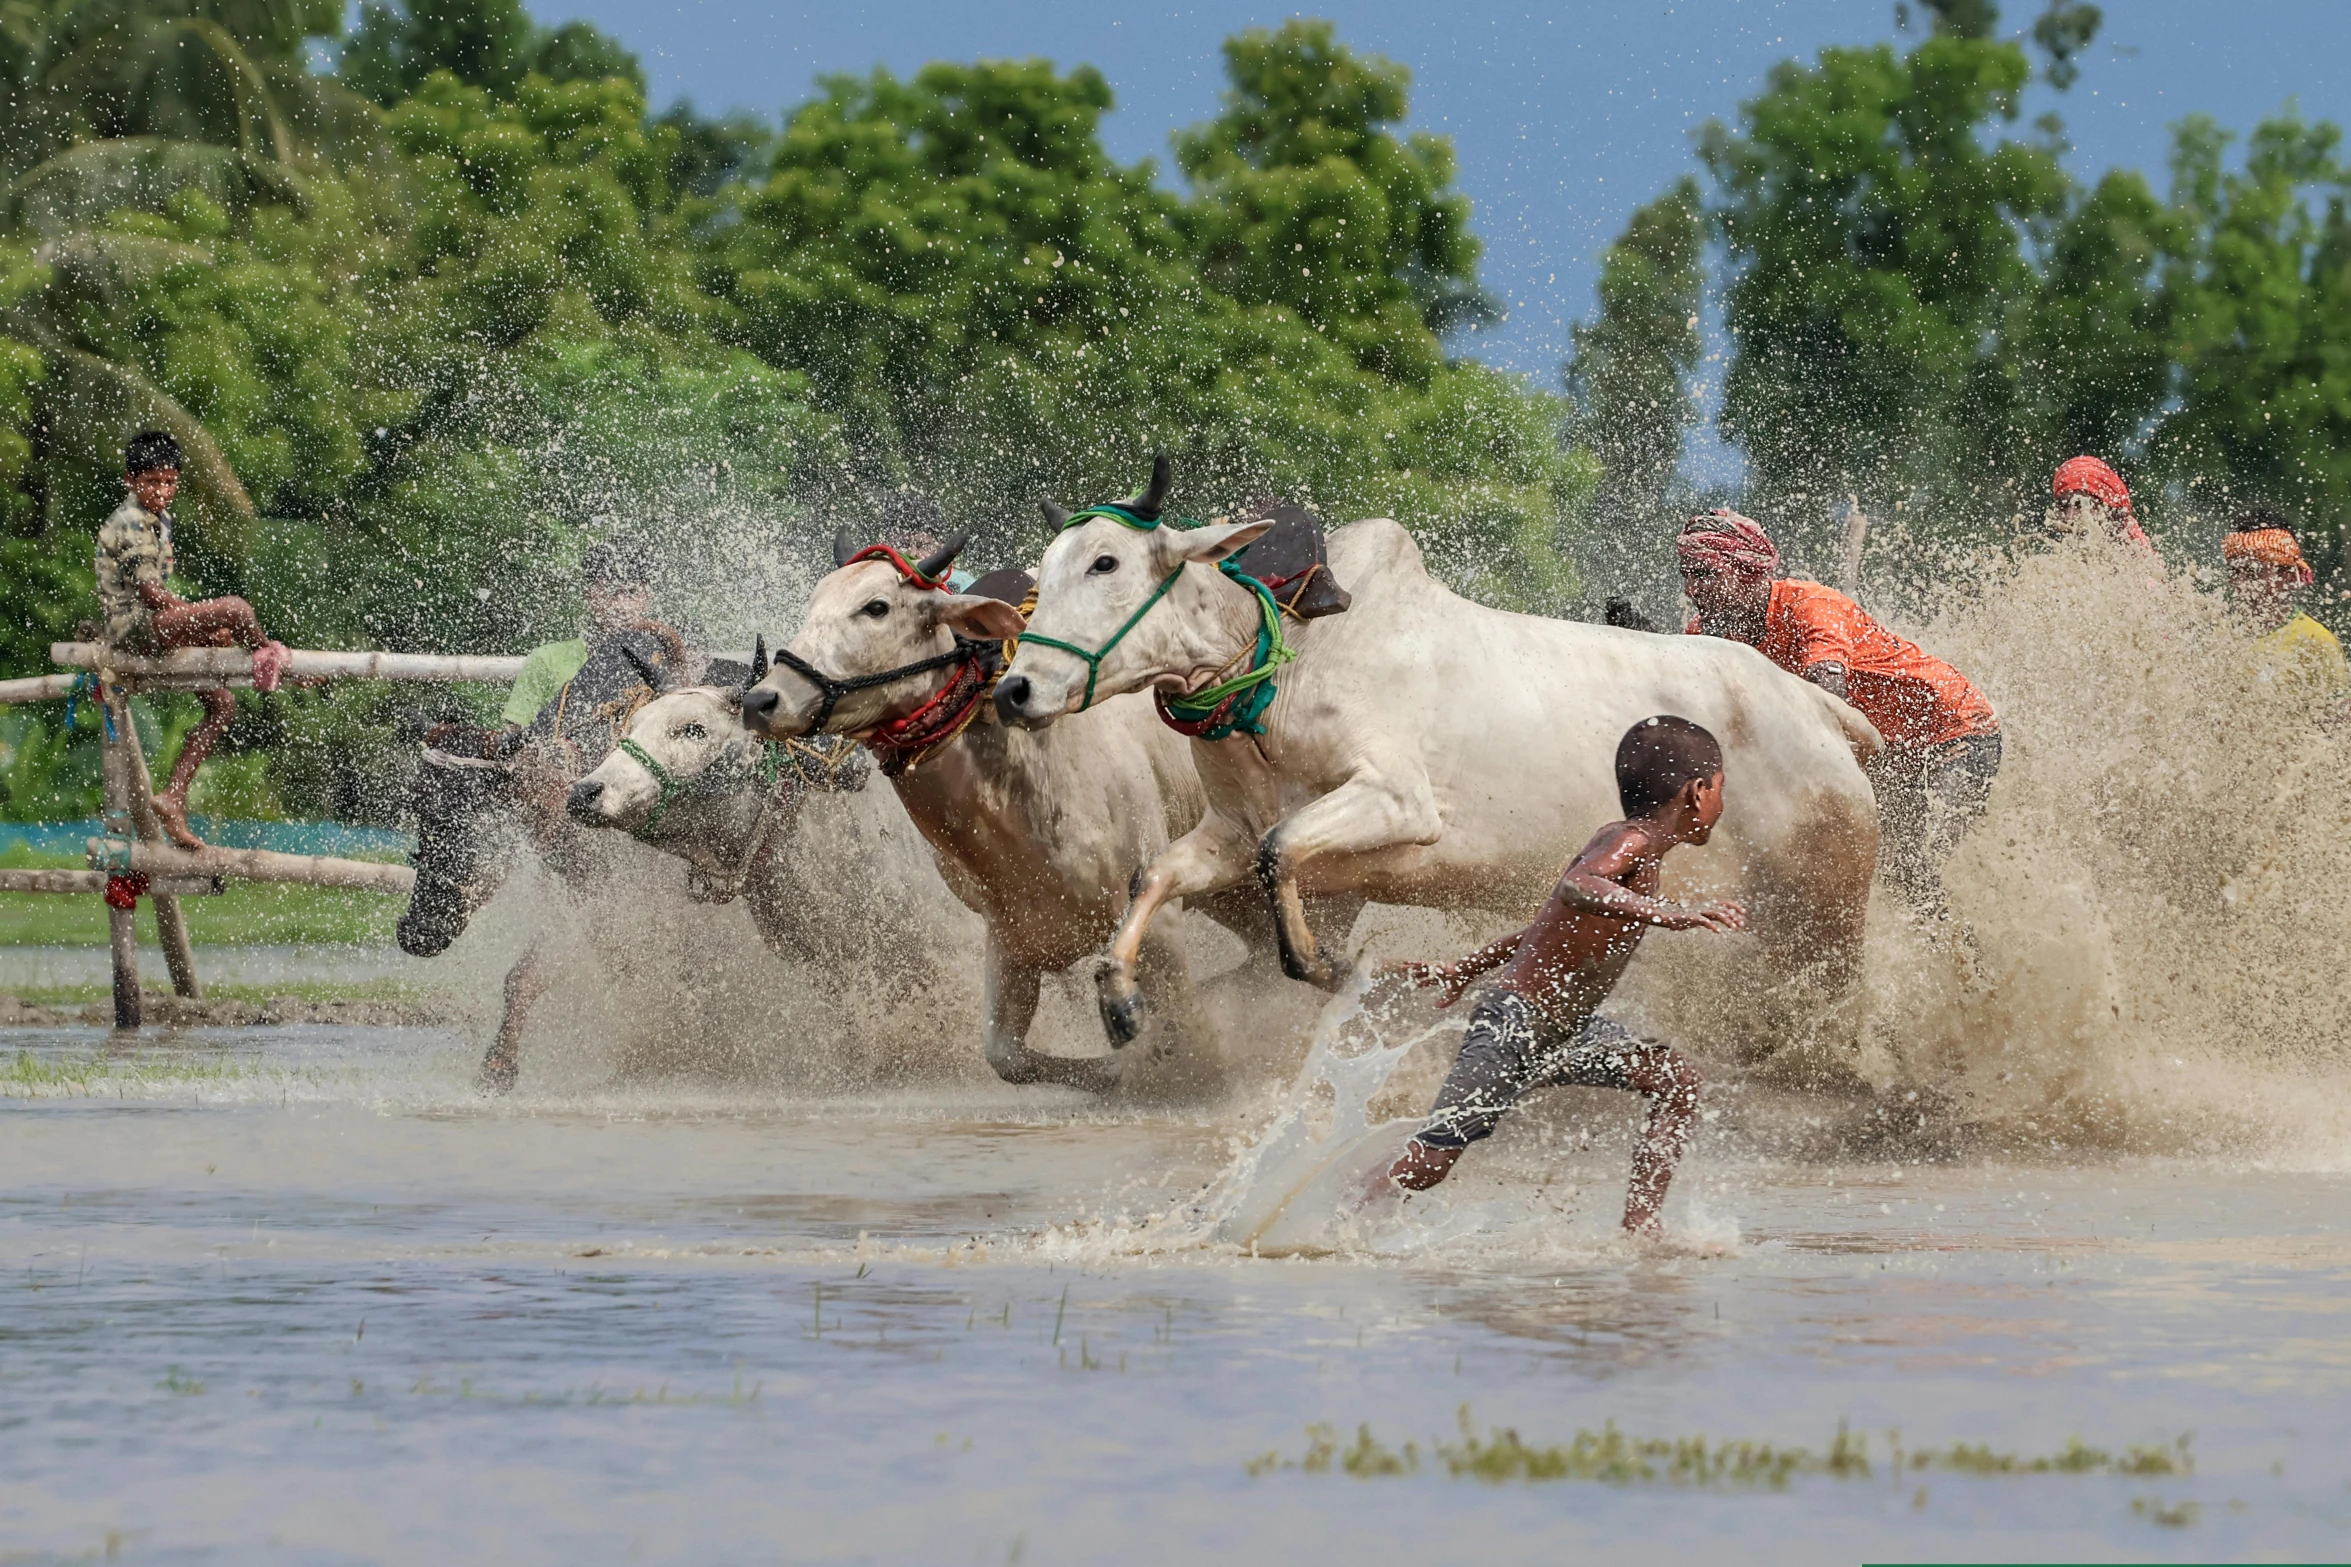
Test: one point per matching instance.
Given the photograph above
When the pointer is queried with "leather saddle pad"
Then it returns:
(1008, 583)
(1290, 560)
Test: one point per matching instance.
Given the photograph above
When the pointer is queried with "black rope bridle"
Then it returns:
(832, 690)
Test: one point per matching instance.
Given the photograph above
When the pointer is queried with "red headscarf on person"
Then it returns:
(1722, 540)
(2092, 477)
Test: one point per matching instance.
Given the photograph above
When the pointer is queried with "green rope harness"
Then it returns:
(1198, 713)
(1095, 658)
(1216, 711)
(770, 769)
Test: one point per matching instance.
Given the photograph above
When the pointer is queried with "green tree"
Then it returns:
(2260, 315)
(491, 44)
(1304, 196)
(1001, 313)
(1877, 236)
(1630, 374)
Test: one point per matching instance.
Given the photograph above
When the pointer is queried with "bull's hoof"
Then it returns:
(1317, 971)
(1121, 1001)
(1015, 1063)
(499, 1070)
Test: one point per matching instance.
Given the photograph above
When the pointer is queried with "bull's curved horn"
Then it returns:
(843, 547)
(758, 661)
(941, 558)
(1148, 504)
(1056, 517)
(645, 672)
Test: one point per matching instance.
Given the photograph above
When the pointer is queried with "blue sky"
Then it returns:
(1565, 117)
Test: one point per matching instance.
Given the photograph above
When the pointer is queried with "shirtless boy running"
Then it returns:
(1535, 1026)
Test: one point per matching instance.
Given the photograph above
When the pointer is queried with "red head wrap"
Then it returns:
(2092, 477)
(2089, 476)
(1722, 540)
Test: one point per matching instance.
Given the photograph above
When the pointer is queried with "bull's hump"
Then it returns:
(1376, 546)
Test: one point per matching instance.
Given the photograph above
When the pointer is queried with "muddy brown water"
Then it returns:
(746, 1272)
(301, 1295)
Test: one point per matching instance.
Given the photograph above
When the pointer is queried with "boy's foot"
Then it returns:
(269, 665)
(174, 818)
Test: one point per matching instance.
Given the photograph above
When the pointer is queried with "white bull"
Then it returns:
(1426, 750)
(1039, 834)
(833, 879)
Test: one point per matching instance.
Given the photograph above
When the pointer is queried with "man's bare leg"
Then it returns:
(1671, 1084)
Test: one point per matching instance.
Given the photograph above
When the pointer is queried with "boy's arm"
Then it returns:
(1454, 978)
(1593, 882)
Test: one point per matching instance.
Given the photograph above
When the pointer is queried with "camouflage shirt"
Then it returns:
(134, 548)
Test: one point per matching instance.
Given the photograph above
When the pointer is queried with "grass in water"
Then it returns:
(26, 1074)
(1609, 1456)
(311, 992)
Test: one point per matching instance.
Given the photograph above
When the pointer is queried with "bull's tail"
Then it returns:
(1859, 732)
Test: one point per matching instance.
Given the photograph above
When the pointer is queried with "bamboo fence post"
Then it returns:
(171, 923)
(122, 925)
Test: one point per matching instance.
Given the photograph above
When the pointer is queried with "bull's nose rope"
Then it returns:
(1217, 711)
(1093, 660)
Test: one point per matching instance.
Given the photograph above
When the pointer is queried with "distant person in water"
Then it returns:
(2268, 578)
(574, 690)
(1942, 736)
(144, 616)
(1535, 1026)
(2087, 497)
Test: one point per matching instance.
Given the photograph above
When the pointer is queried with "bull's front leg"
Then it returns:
(1012, 1007)
(1209, 858)
(526, 983)
(1367, 812)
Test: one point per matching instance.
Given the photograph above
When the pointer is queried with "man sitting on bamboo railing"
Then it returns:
(144, 616)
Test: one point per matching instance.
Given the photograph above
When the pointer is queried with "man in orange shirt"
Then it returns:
(1942, 737)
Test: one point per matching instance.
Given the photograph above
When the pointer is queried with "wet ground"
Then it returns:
(299, 1295)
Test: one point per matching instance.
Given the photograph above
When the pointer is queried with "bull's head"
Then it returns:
(466, 839)
(864, 621)
(694, 736)
(1117, 611)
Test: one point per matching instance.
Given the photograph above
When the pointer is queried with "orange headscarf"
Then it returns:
(2271, 547)
(2092, 477)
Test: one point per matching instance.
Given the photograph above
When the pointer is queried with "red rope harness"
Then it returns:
(904, 743)
(937, 584)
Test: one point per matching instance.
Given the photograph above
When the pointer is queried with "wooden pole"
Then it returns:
(38, 688)
(93, 883)
(317, 870)
(122, 925)
(171, 925)
(189, 668)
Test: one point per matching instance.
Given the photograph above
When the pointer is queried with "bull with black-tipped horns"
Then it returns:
(1426, 750)
(1038, 833)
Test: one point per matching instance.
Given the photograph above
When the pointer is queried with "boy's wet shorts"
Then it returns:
(1512, 1047)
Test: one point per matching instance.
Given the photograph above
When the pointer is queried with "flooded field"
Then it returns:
(302, 1295)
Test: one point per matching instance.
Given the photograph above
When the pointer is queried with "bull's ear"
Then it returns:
(981, 619)
(1216, 541)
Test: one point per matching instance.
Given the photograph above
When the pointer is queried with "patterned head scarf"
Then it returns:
(1722, 540)
(2271, 547)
